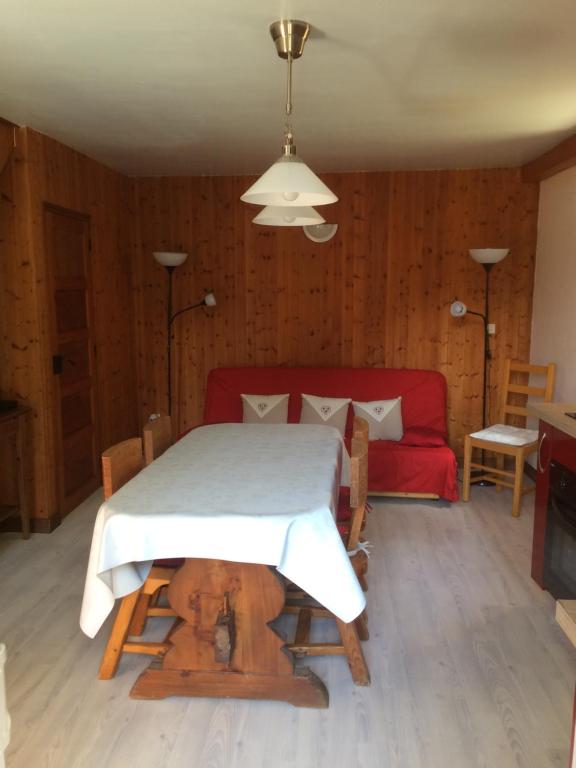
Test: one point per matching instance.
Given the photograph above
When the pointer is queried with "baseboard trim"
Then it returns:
(37, 524)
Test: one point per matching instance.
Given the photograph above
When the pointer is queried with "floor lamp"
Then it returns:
(487, 257)
(170, 260)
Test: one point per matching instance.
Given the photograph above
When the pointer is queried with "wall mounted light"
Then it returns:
(320, 233)
(170, 260)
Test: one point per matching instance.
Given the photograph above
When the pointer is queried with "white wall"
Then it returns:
(554, 307)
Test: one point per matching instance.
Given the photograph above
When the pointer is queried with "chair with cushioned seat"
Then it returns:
(506, 440)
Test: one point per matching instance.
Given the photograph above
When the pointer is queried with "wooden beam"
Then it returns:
(557, 159)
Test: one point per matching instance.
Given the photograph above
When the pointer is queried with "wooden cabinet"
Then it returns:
(553, 445)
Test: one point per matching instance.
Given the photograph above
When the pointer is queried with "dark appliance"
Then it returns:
(559, 575)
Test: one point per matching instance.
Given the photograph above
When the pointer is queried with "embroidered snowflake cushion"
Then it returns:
(384, 418)
(264, 409)
(331, 411)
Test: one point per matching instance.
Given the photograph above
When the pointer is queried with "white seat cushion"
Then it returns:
(502, 433)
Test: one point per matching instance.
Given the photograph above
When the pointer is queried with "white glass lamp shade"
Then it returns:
(170, 258)
(289, 182)
(283, 216)
(489, 255)
(210, 300)
(320, 233)
(458, 309)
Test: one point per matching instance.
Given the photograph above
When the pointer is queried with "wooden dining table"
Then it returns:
(248, 507)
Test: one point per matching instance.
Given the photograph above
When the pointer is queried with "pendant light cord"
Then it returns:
(289, 87)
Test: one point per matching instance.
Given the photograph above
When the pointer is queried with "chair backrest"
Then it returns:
(358, 488)
(120, 463)
(157, 436)
(360, 428)
(517, 382)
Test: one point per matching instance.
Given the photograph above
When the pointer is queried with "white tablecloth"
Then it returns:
(254, 493)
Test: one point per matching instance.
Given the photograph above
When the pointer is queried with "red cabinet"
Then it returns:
(553, 445)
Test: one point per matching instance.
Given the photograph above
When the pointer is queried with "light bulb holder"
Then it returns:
(289, 148)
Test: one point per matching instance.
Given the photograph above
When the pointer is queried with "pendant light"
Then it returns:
(289, 182)
(287, 216)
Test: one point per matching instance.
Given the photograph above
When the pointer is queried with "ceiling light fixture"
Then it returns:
(289, 182)
(288, 216)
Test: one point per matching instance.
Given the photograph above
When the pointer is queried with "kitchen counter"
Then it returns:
(555, 414)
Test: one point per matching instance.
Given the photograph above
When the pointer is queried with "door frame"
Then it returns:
(76, 498)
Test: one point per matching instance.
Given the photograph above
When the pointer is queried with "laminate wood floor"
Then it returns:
(469, 668)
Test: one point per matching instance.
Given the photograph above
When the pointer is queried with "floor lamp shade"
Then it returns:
(170, 258)
(489, 255)
(289, 182)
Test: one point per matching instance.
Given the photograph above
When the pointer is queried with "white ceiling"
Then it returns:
(185, 87)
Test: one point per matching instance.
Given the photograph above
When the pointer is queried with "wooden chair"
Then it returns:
(346, 506)
(300, 603)
(121, 463)
(504, 439)
(157, 438)
(157, 435)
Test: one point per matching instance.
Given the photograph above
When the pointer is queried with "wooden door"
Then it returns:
(67, 242)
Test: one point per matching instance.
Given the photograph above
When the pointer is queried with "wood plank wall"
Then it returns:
(45, 171)
(378, 294)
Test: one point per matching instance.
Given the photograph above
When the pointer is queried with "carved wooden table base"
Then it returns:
(224, 647)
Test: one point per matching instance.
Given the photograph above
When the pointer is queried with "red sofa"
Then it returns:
(421, 463)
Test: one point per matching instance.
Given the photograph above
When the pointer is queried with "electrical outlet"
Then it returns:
(491, 329)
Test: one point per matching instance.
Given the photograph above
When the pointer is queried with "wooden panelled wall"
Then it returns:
(44, 171)
(378, 294)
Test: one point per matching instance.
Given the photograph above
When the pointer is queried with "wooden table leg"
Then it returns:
(225, 646)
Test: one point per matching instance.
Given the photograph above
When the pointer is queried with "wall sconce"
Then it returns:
(320, 233)
(170, 260)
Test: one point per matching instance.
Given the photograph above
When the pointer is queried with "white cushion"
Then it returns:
(264, 409)
(384, 418)
(331, 411)
(503, 433)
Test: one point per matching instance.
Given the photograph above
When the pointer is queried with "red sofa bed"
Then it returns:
(421, 463)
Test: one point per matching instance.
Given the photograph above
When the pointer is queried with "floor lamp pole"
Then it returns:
(487, 358)
(208, 301)
(170, 270)
(487, 350)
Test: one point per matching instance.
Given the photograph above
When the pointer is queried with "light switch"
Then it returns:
(491, 329)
